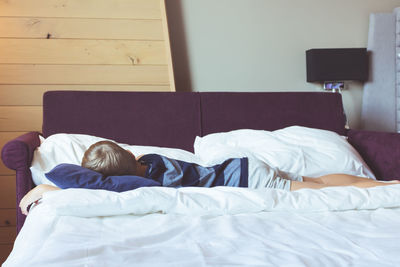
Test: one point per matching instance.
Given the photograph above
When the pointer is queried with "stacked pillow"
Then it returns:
(301, 150)
(304, 151)
(58, 158)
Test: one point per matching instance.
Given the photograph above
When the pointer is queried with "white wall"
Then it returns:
(259, 45)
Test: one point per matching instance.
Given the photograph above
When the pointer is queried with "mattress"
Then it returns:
(221, 226)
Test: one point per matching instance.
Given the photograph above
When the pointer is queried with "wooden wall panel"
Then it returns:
(81, 28)
(113, 45)
(8, 218)
(7, 192)
(4, 138)
(5, 171)
(20, 118)
(132, 9)
(77, 52)
(5, 250)
(83, 74)
(7, 235)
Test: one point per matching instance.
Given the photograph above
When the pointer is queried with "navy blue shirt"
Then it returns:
(177, 173)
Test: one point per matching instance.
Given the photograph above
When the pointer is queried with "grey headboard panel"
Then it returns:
(397, 57)
(381, 99)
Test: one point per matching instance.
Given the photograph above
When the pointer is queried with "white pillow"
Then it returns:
(69, 148)
(301, 150)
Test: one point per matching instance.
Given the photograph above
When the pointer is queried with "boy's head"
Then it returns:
(109, 159)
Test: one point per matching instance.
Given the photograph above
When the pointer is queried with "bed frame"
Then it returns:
(174, 120)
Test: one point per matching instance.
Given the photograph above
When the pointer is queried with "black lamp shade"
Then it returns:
(337, 64)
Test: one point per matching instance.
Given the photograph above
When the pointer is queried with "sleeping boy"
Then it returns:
(110, 159)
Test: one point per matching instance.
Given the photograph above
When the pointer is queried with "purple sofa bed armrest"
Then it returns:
(17, 154)
(380, 150)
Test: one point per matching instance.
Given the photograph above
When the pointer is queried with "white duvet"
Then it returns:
(222, 226)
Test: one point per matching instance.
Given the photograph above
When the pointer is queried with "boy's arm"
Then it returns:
(34, 195)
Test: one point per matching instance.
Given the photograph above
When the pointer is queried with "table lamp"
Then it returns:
(333, 66)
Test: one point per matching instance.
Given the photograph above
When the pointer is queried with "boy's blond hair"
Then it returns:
(109, 159)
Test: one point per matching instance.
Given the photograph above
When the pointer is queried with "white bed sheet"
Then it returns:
(212, 227)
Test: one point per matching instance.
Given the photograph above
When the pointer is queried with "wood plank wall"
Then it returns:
(115, 45)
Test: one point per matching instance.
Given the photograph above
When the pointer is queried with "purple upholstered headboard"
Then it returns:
(171, 120)
(140, 118)
(270, 111)
(174, 119)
